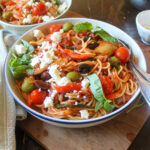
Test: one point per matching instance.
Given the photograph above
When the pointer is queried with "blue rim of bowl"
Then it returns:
(64, 121)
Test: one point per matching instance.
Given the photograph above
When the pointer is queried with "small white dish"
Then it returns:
(20, 29)
(142, 24)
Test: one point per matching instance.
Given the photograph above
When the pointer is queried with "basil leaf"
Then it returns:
(72, 106)
(19, 71)
(86, 26)
(104, 35)
(28, 46)
(108, 106)
(26, 59)
(96, 87)
(19, 65)
(97, 90)
(99, 105)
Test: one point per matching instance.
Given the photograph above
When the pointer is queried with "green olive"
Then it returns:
(7, 15)
(67, 26)
(28, 85)
(114, 59)
(74, 76)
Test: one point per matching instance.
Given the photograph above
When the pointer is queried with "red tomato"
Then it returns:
(39, 9)
(29, 100)
(68, 88)
(66, 42)
(37, 97)
(54, 28)
(107, 84)
(123, 54)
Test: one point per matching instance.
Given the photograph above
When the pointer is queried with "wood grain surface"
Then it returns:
(116, 134)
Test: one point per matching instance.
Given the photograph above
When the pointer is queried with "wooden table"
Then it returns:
(116, 134)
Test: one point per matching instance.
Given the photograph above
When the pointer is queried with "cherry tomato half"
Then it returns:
(123, 54)
(68, 88)
(37, 97)
(107, 84)
(54, 28)
(39, 9)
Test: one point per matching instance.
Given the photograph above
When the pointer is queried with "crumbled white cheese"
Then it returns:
(76, 103)
(54, 46)
(46, 45)
(48, 57)
(27, 20)
(62, 7)
(48, 4)
(20, 49)
(53, 94)
(63, 81)
(34, 61)
(43, 64)
(38, 34)
(84, 97)
(84, 114)
(75, 91)
(85, 83)
(56, 37)
(46, 18)
(39, 89)
(54, 72)
(48, 102)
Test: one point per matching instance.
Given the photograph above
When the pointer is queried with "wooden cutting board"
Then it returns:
(116, 134)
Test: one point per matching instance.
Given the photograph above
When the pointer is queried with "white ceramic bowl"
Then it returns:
(75, 123)
(20, 29)
(143, 19)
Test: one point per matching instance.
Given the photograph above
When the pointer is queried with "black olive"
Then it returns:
(45, 75)
(92, 45)
(84, 68)
(41, 84)
(86, 37)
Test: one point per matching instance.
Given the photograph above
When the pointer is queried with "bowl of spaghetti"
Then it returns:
(73, 72)
(20, 16)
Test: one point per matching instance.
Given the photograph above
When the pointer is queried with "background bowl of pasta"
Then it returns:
(20, 16)
(75, 71)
